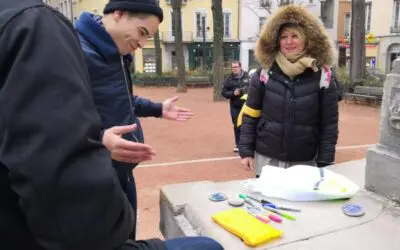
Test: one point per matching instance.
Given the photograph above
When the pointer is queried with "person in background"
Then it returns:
(235, 86)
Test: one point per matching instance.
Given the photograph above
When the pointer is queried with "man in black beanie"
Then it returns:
(107, 43)
(58, 188)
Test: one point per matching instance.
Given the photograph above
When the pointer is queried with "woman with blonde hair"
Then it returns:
(291, 113)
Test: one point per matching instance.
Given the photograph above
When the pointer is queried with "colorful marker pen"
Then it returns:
(259, 217)
(283, 214)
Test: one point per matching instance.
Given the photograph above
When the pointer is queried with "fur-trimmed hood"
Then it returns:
(318, 43)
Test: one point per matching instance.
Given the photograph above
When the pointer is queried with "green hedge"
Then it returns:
(167, 78)
(369, 80)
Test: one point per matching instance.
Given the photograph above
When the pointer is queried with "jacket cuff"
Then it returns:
(243, 153)
(156, 110)
(322, 164)
(101, 135)
(153, 244)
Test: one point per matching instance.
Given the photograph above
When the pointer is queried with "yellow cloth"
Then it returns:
(255, 113)
(240, 223)
(294, 66)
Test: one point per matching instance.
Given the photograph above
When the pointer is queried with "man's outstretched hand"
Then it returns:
(173, 112)
(124, 150)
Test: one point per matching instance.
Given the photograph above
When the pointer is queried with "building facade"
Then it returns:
(385, 24)
(382, 28)
(344, 29)
(253, 14)
(197, 33)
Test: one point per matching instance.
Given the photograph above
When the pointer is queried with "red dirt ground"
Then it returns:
(209, 134)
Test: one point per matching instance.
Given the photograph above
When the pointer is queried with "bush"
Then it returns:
(151, 79)
(373, 81)
(166, 79)
(370, 80)
(344, 78)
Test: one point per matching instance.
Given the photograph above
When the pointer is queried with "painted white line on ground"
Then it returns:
(231, 158)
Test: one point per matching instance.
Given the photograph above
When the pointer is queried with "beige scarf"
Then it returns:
(294, 65)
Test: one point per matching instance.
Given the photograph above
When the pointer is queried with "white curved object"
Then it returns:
(297, 184)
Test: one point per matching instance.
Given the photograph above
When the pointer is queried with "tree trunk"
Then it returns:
(180, 59)
(157, 46)
(357, 41)
(218, 53)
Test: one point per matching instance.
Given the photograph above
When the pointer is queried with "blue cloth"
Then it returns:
(193, 243)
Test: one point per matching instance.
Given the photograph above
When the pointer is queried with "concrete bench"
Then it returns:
(186, 211)
(367, 93)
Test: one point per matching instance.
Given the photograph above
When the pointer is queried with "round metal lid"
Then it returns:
(217, 197)
(353, 210)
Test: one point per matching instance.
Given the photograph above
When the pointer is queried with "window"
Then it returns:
(396, 10)
(201, 20)
(252, 60)
(261, 22)
(173, 28)
(285, 2)
(149, 60)
(169, 1)
(265, 3)
(368, 8)
(227, 24)
(347, 24)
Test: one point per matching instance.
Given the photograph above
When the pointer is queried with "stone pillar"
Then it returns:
(383, 160)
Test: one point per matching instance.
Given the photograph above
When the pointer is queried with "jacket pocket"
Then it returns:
(263, 128)
(260, 125)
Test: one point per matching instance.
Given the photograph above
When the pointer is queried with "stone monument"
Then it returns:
(383, 160)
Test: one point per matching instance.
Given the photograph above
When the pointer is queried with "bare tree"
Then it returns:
(180, 59)
(218, 53)
(157, 46)
(357, 41)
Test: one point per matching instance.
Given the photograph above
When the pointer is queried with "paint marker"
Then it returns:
(260, 208)
(259, 217)
(283, 214)
(261, 211)
(270, 204)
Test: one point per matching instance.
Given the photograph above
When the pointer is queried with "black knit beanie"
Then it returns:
(135, 6)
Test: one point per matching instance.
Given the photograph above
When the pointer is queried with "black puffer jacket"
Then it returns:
(292, 120)
(298, 122)
(231, 83)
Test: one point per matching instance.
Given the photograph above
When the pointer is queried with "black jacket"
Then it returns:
(231, 83)
(58, 189)
(298, 122)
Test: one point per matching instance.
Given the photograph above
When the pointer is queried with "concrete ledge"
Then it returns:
(186, 210)
(383, 165)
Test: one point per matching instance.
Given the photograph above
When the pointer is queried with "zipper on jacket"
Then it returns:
(129, 94)
(289, 117)
(292, 111)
